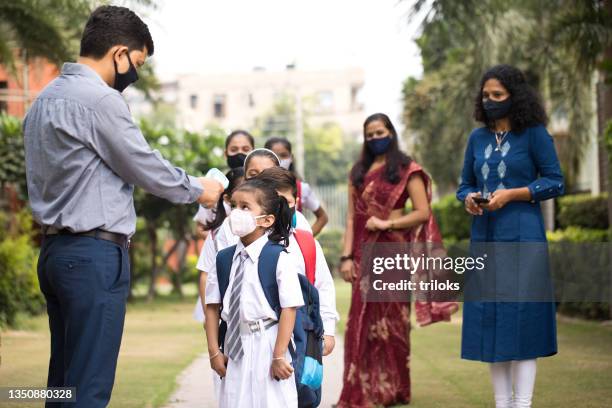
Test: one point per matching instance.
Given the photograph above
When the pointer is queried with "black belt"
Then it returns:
(118, 239)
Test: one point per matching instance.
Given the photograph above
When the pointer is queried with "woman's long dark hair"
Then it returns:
(271, 203)
(239, 132)
(235, 177)
(527, 109)
(395, 159)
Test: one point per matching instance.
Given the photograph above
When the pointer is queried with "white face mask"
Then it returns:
(242, 222)
(286, 163)
(228, 208)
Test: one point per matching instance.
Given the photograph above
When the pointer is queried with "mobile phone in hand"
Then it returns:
(480, 200)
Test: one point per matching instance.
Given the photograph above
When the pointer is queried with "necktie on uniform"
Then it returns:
(234, 343)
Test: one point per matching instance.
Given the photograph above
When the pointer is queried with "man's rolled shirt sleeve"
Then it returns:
(120, 143)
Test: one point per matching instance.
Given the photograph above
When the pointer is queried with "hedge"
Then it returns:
(454, 222)
(19, 290)
(331, 242)
(583, 210)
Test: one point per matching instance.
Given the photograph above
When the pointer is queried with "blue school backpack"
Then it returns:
(308, 331)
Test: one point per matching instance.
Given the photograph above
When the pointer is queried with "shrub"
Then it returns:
(331, 241)
(454, 222)
(577, 234)
(577, 251)
(19, 290)
(583, 210)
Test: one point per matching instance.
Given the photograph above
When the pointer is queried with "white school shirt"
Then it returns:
(253, 302)
(223, 238)
(310, 201)
(324, 284)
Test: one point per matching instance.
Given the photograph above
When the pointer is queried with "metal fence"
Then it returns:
(334, 199)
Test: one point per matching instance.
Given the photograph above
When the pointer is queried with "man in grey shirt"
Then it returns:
(84, 154)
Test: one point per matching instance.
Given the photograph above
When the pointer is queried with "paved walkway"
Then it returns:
(195, 383)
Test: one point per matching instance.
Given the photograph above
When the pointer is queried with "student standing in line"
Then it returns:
(209, 249)
(285, 184)
(306, 197)
(255, 364)
(237, 145)
(256, 162)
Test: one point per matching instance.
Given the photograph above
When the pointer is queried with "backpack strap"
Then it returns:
(224, 268)
(308, 247)
(266, 268)
(299, 195)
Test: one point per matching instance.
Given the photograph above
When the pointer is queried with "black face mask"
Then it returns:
(122, 81)
(496, 110)
(236, 160)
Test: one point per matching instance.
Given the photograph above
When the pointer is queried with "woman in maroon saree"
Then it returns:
(377, 340)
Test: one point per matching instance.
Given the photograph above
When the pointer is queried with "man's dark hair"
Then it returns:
(111, 25)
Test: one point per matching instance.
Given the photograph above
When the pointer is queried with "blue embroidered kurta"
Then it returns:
(504, 331)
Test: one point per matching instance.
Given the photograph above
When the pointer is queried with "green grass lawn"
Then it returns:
(161, 339)
(579, 376)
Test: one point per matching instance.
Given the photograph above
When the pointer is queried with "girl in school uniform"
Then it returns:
(306, 197)
(255, 366)
(237, 145)
(257, 161)
(214, 230)
(284, 182)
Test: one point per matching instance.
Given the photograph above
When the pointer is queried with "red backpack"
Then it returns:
(307, 245)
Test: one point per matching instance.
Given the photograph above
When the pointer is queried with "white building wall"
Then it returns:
(328, 96)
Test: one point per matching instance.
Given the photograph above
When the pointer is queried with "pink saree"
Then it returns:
(377, 340)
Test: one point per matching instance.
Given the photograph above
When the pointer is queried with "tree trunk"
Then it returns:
(152, 233)
(604, 111)
(177, 281)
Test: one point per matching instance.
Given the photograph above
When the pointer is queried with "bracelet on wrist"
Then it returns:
(346, 257)
(278, 358)
(214, 355)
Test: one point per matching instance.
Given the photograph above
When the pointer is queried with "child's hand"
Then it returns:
(219, 364)
(329, 342)
(281, 369)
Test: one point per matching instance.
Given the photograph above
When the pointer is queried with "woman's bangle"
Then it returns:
(215, 355)
(391, 226)
(346, 257)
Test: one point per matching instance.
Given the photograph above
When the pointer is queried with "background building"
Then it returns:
(19, 89)
(236, 100)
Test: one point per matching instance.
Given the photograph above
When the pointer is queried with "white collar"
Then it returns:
(253, 249)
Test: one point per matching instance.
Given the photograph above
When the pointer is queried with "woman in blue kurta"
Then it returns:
(512, 162)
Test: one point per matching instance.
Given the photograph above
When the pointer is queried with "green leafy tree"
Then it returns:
(39, 28)
(556, 42)
(52, 29)
(329, 153)
(194, 152)
(12, 165)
